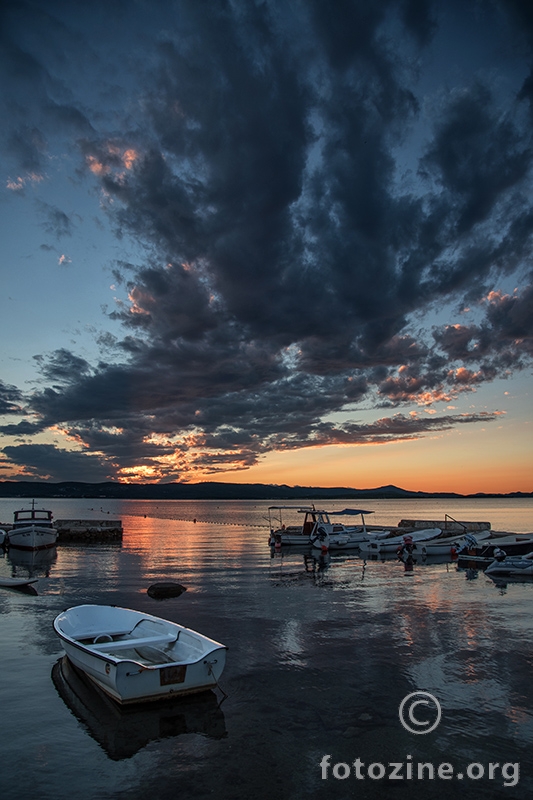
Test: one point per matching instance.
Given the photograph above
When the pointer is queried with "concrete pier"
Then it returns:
(446, 525)
(88, 530)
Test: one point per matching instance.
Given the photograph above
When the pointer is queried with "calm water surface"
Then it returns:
(320, 656)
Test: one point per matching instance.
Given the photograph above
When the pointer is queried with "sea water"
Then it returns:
(322, 653)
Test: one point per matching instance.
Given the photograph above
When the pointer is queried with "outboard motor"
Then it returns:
(499, 554)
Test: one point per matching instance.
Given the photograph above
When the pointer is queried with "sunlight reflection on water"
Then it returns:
(321, 653)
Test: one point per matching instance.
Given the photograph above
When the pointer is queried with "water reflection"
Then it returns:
(122, 732)
(32, 563)
(299, 564)
(322, 652)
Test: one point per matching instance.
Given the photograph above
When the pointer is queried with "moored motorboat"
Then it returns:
(319, 531)
(518, 544)
(332, 537)
(511, 566)
(282, 534)
(136, 657)
(451, 545)
(32, 529)
(392, 544)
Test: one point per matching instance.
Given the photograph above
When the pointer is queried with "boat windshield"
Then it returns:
(32, 515)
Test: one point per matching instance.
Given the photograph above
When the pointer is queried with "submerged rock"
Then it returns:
(168, 589)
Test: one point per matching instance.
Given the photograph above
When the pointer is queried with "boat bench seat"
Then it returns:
(79, 637)
(123, 644)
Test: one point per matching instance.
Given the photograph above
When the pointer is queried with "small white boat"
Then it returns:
(393, 543)
(136, 657)
(511, 566)
(451, 545)
(282, 534)
(32, 529)
(17, 583)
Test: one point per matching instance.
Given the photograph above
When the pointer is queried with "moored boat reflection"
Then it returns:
(122, 732)
(33, 563)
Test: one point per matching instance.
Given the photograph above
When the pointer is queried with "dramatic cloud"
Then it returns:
(10, 399)
(291, 265)
(48, 462)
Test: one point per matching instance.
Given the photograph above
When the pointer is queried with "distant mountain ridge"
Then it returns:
(219, 491)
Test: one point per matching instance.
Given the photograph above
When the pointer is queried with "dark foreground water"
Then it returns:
(321, 654)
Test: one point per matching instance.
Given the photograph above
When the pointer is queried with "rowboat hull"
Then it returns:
(136, 657)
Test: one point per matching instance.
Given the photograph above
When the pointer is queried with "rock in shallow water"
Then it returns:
(169, 589)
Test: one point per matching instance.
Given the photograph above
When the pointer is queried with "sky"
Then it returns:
(275, 241)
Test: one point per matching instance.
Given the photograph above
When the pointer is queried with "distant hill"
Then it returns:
(218, 491)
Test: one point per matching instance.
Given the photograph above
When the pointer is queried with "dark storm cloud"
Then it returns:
(23, 428)
(476, 156)
(48, 462)
(505, 337)
(256, 157)
(62, 366)
(34, 97)
(11, 399)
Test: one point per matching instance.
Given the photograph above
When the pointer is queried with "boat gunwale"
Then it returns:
(108, 657)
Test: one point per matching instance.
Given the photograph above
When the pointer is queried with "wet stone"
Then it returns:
(169, 589)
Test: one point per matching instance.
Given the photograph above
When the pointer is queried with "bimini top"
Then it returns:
(349, 511)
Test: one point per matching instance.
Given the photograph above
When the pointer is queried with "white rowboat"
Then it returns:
(136, 657)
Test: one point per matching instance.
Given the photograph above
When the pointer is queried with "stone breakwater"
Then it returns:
(88, 530)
